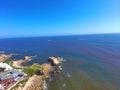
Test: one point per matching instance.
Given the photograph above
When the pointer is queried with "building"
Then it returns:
(6, 66)
(9, 78)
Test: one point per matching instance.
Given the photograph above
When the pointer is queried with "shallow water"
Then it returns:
(92, 62)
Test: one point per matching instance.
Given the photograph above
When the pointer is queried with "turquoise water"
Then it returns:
(91, 62)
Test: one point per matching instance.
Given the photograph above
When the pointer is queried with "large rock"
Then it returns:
(54, 61)
(4, 57)
(47, 68)
(34, 83)
(21, 63)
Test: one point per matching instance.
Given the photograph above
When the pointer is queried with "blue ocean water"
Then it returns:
(92, 62)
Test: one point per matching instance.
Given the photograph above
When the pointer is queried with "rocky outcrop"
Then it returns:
(54, 61)
(4, 57)
(36, 81)
(47, 68)
(21, 63)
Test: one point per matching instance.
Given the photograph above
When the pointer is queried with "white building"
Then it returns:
(6, 66)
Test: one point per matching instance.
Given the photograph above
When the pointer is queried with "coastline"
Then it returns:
(4, 57)
(20, 63)
(39, 76)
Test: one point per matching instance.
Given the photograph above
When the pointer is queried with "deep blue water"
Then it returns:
(92, 61)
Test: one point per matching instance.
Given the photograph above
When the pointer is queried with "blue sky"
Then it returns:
(22, 18)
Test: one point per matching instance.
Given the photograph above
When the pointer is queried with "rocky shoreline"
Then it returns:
(4, 57)
(37, 80)
(20, 63)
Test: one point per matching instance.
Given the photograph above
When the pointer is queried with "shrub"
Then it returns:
(33, 70)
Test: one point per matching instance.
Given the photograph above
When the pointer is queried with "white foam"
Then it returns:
(60, 68)
(64, 85)
(61, 59)
(50, 79)
(68, 75)
(45, 86)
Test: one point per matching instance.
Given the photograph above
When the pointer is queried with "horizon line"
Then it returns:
(57, 35)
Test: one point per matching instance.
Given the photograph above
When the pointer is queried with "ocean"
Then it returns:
(91, 62)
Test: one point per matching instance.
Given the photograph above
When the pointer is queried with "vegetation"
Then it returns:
(34, 69)
(30, 71)
(9, 62)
